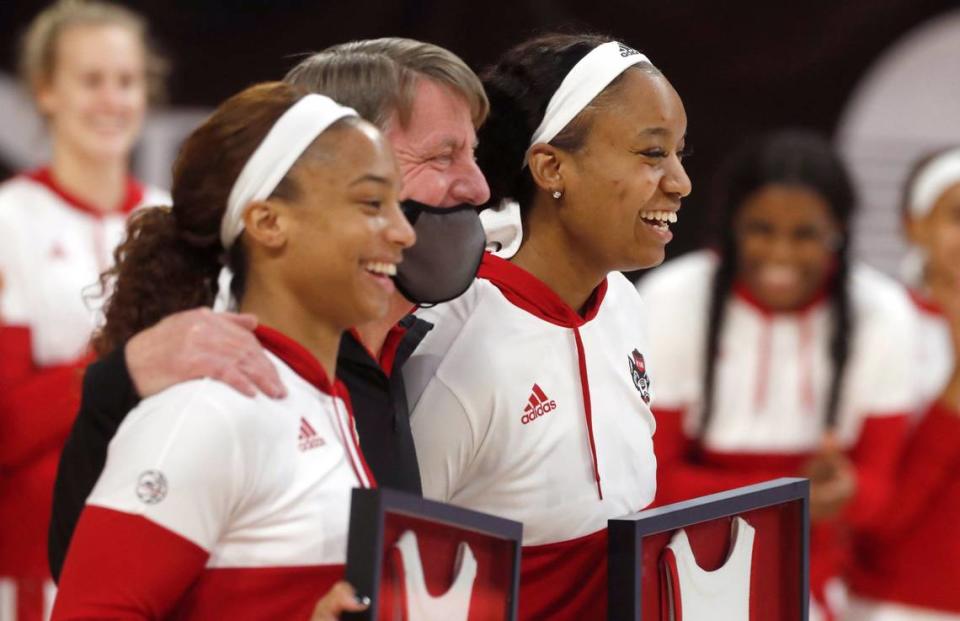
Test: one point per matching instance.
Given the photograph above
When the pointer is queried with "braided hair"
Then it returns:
(792, 157)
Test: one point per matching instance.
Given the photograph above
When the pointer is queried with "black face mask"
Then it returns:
(443, 262)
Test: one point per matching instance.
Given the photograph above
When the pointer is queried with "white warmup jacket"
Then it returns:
(524, 409)
(53, 248)
(240, 504)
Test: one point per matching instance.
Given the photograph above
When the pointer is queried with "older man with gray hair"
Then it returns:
(429, 104)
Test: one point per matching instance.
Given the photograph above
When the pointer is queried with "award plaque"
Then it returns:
(740, 555)
(420, 560)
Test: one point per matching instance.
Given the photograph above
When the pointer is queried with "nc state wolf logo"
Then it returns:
(638, 371)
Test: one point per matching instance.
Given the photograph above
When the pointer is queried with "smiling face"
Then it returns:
(786, 238)
(624, 185)
(938, 234)
(346, 232)
(435, 149)
(435, 155)
(96, 97)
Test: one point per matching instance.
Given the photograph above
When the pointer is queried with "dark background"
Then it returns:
(740, 67)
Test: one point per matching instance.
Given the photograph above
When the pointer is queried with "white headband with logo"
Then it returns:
(278, 152)
(937, 177)
(586, 80)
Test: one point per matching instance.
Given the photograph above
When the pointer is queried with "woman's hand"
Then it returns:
(339, 599)
(833, 480)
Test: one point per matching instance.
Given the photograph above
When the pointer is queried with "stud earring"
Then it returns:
(557, 194)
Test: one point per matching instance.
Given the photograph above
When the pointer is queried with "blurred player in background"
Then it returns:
(91, 74)
(908, 559)
(778, 356)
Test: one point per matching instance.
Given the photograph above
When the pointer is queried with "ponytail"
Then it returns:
(157, 272)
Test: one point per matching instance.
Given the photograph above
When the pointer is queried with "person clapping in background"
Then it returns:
(777, 355)
(908, 559)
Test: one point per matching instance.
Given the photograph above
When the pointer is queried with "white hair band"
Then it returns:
(937, 177)
(280, 149)
(278, 152)
(586, 80)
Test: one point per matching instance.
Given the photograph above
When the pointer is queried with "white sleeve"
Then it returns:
(675, 330)
(444, 439)
(176, 460)
(883, 379)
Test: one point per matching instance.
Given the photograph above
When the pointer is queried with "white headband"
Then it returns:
(281, 148)
(586, 80)
(937, 177)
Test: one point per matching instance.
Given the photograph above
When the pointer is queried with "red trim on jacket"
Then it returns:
(298, 358)
(565, 581)
(924, 303)
(803, 316)
(908, 553)
(526, 291)
(763, 364)
(587, 407)
(352, 439)
(388, 353)
(743, 292)
(686, 470)
(124, 566)
(133, 194)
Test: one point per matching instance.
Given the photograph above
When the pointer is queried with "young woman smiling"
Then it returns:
(241, 504)
(530, 397)
(776, 356)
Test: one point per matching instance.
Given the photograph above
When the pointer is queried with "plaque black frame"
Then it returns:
(368, 509)
(626, 535)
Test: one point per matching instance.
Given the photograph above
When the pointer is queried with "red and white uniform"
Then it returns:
(53, 248)
(772, 380)
(524, 409)
(213, 505)
(908, 560)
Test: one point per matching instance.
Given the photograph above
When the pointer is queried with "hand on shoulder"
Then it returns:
(201, 343)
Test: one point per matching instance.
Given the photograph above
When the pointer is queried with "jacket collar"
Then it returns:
(133, 195)
(297, 357)
(924, 303)
(403, 340)
(743, 293)
(526, 291)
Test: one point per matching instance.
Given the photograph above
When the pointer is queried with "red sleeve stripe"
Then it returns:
(123, 566)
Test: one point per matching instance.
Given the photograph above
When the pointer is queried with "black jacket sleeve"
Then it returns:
(108, 396)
